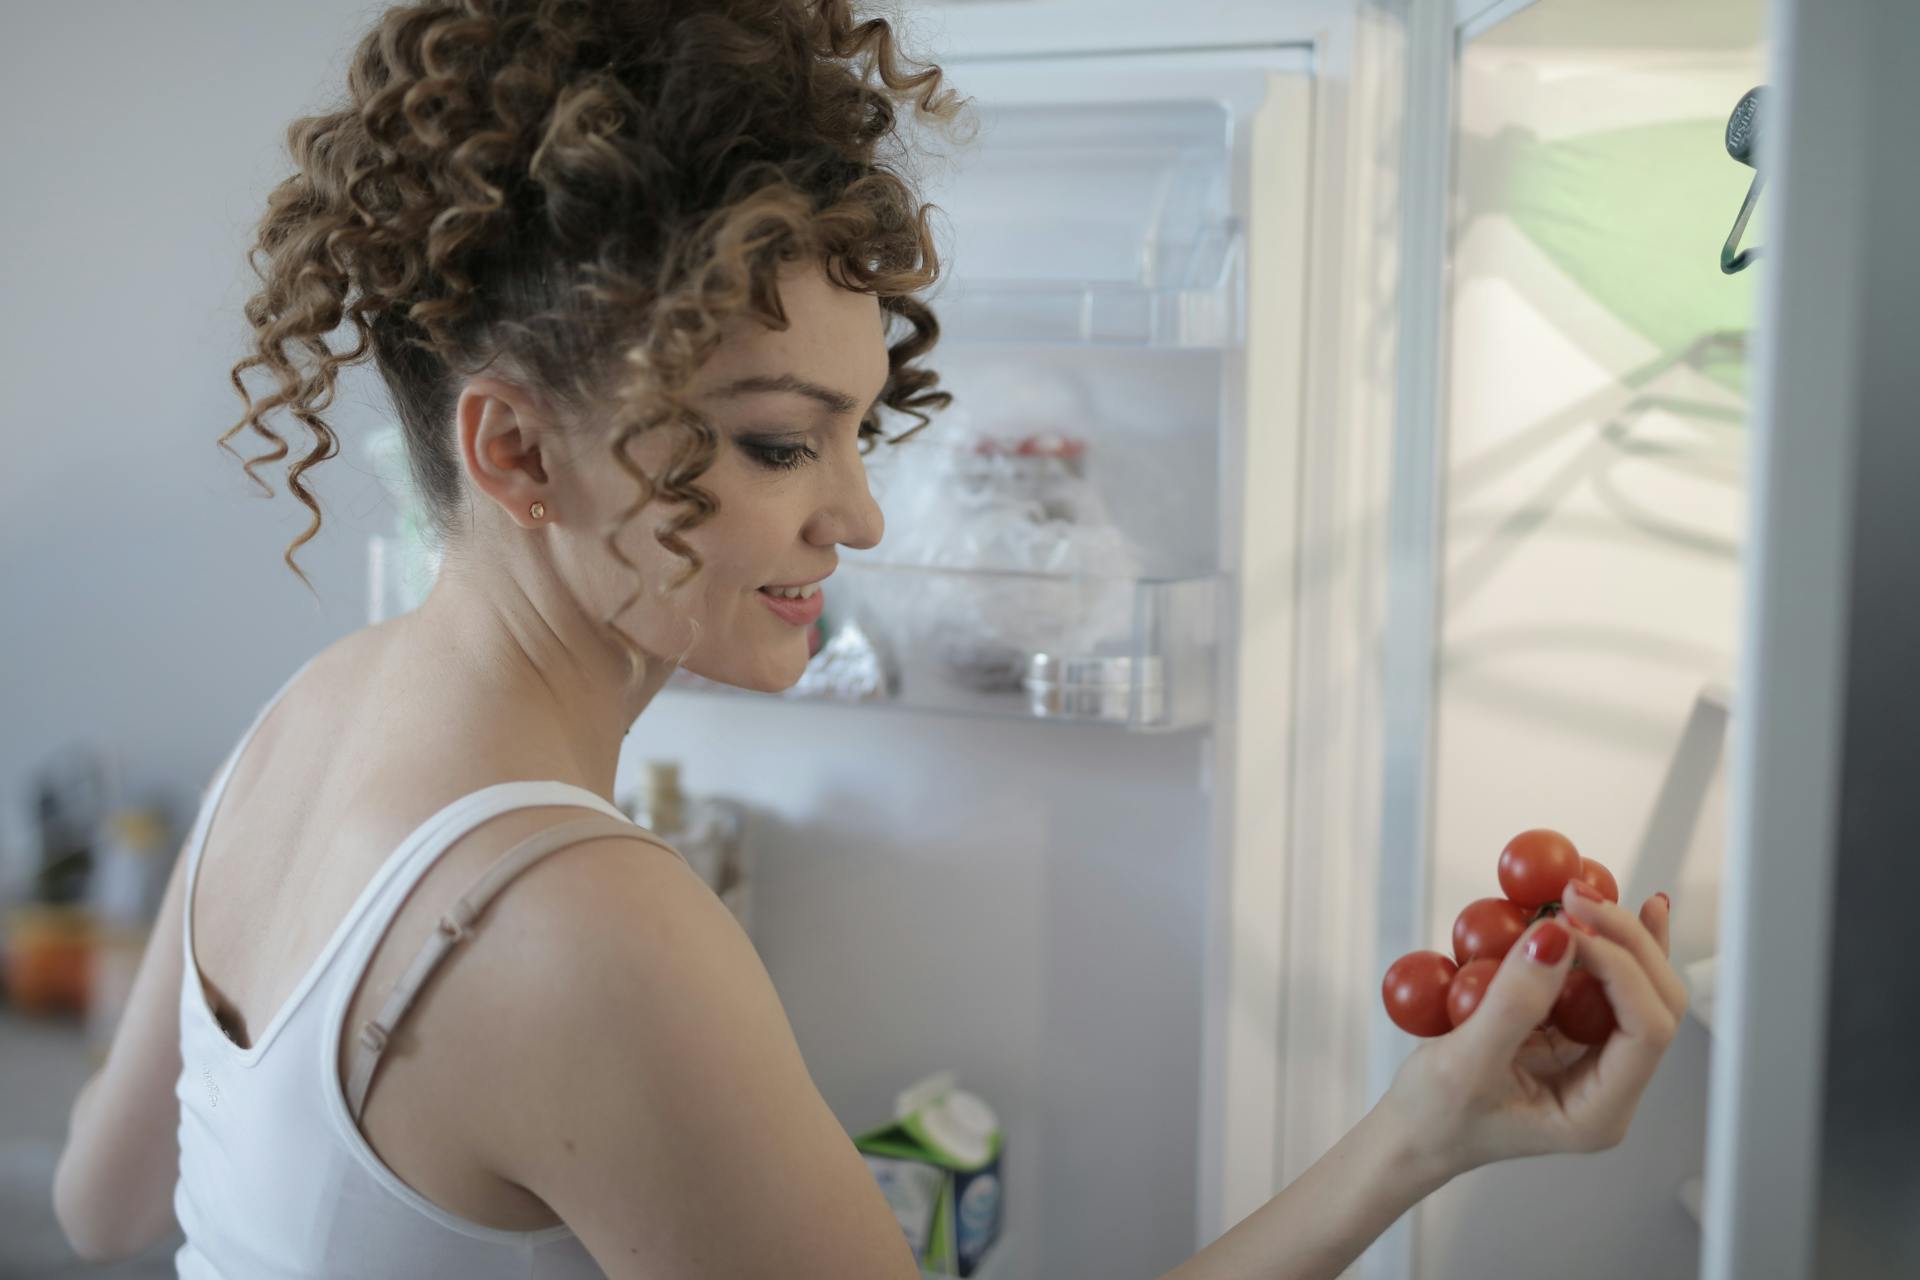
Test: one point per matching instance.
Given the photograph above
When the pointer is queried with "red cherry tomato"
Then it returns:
(1600, 878)
(1463, 997)
(1582, 1012)
(1536, 865)
(1487, 929)
(1415, 990)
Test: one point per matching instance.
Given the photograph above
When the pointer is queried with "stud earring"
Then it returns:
(537, 510)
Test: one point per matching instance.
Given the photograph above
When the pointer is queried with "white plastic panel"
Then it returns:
(961, 642)
(1096, 222)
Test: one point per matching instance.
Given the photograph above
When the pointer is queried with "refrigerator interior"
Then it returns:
(1593, 503)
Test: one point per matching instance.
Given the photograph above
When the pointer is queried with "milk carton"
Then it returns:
(938, 1164)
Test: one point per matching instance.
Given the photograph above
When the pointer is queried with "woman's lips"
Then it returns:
(800, 613)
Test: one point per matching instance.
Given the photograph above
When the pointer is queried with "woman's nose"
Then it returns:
(853, 519)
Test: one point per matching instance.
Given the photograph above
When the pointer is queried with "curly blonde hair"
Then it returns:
(584, 191)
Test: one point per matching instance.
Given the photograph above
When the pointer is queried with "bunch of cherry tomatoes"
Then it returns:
(1429, 994)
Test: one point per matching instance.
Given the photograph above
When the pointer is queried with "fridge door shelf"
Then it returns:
(1137, 653)
(1702, 979)
(1092, 223)
(1692, 1195)
(1101, 313)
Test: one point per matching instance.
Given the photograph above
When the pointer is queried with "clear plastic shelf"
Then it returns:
(1692, 1194)
(1131, 652)
(1097, 312)
(1138, 653)
(1093, 223)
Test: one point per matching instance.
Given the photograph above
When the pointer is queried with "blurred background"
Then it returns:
(147, 610)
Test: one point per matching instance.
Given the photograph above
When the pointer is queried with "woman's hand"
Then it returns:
(1490, 1089)
(1500, 1086)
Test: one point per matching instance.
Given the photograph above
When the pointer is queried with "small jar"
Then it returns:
(1095, 686)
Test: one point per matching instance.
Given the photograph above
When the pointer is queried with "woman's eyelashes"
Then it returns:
(777, 455)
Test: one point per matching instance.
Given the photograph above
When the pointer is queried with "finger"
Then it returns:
(1657, 913)
(1547, 1053)
(1638, 1006)
(1536, 1056)
(1611, 922)
(1565, 1052)
(1519, 998)
(1602, 1089)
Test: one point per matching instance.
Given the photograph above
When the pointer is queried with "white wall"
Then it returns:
(144, 607)
(922, 904)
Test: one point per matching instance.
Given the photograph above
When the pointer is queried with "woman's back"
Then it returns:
(323, 861)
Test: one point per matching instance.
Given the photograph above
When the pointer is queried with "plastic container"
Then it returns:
(939, 1164)
(708, 832)
(49, 958)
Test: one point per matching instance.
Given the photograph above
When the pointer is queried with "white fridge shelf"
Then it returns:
(1137, 653)
(1102, 313)
(1093, 223)
(1703, 982)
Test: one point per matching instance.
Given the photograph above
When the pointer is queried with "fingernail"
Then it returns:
(1665, 901)
(1548, 944)
(1587, 929)
(1582, 889)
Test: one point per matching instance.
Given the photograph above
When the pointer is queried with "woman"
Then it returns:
(629, 271)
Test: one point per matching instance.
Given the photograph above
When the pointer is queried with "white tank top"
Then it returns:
(276, 1181)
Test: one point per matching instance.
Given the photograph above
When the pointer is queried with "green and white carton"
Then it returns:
(938, 1164)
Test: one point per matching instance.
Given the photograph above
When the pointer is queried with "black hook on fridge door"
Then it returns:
(1742, 145)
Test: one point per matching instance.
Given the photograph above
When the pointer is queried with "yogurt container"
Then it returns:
(938, 1164)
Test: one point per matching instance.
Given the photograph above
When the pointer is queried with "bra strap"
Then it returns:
(458, 923)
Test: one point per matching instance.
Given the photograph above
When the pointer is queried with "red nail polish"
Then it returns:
(1584, 890)
(1587, 929)
(1665, 901)
(1548, 944)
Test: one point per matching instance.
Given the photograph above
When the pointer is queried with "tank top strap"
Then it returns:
(457, 922)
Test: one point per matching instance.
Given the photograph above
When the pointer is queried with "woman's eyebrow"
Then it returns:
(838, 401)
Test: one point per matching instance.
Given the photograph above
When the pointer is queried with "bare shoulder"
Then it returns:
(660, 1105)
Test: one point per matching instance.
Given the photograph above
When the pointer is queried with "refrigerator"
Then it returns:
(1412, 418)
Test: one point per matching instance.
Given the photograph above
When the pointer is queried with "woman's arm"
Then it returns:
(1481, 1093)
(113, 1187)
(1317, 1226)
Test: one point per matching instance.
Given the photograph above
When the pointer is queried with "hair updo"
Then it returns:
(581, 192)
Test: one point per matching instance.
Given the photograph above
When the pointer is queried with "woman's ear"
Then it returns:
(500, 435)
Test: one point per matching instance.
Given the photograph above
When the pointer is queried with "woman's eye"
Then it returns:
(779, 457)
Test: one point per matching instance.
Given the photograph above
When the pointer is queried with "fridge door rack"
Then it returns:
(1096, 224)
(1098, 312)
(1000, 644)
(1137, 653)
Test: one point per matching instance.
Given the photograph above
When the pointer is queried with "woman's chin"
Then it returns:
(771, 674)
